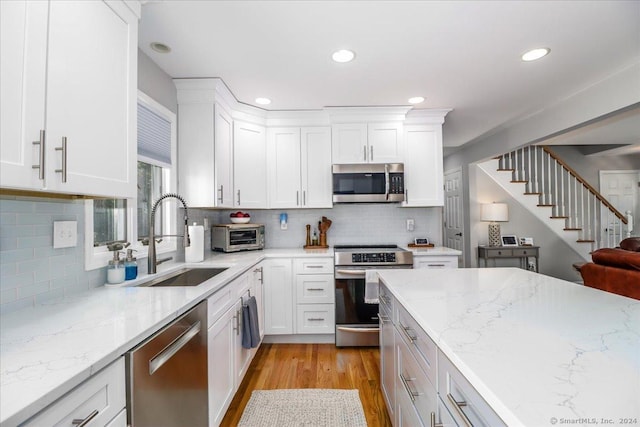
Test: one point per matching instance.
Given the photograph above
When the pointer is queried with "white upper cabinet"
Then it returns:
(83, 105)
(284, 167)
(316, 167)
(423, 175)
(299, 164)
(249, 165)
(367, 143)
(205, 170)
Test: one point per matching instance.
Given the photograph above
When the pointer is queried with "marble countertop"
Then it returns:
(47, 350)
(536, 348)
(435, 251)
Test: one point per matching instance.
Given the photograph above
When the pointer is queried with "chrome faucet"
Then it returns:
(151, 260)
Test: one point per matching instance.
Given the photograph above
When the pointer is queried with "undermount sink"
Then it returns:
(185, 277)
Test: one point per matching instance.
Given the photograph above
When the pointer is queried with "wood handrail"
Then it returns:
(581, 180)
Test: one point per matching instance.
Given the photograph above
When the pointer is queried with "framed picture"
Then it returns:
(526, 241)
(421, 241)
(509, 240)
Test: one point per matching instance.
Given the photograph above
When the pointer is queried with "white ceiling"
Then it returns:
(463, 55)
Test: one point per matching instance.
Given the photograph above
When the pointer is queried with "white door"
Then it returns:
(284, 168)
(316, 167)
(91, 98)
(385, 143)
(621, 189)
(249, 166)
(349, 143)
(453, 211)
(23, 43)
(220, 342)
(223, 157)
(278, 297)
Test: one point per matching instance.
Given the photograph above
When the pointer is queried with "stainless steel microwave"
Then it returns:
(237, 237)
(368, 183)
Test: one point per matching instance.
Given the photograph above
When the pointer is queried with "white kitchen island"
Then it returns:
(539, 351)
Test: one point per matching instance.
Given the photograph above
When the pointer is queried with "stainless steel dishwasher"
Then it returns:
(167, 375)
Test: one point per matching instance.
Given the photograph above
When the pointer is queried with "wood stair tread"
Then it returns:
(506, 170)
(520, 182)
(585, 241)
(559, 217)
(572, 229)
(548, 206)
(532, 194)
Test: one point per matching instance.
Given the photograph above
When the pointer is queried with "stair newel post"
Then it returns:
(589, 223)
(597, 223)
(582, 217)
(556, 199)
(575, 205)
(549, 182)
(569, 201)
(562, 191)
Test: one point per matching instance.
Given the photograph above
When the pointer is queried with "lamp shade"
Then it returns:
(495, 212)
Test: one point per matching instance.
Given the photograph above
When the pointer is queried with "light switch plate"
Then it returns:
(410, 224)
(65, 234)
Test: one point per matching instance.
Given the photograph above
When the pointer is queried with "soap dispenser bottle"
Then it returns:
(130, 266)
(115, 270)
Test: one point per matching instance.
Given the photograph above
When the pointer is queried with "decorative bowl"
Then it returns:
(243, 220)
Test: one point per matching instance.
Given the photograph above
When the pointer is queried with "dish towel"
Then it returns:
(370, 287)
(250, 325)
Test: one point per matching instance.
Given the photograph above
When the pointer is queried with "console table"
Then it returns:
(522, 252)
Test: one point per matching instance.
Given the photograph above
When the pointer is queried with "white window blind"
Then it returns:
(154, 136)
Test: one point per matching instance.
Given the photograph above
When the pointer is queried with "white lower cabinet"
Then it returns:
(431, 261)
(315, 296)
(278, 296)
(119, 421)
(99, 401)
(228, 361)
(463, 401)
(387, 353)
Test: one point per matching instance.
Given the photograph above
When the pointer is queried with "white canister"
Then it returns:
(195, 251)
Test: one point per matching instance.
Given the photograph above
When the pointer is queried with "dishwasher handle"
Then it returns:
(167, 353)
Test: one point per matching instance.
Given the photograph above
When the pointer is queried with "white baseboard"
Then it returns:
(300, 339)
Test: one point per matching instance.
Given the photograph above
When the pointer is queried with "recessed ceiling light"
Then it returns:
(343, 55)
(416, 100)
(263, 101)
(160, 47)
(534, 54)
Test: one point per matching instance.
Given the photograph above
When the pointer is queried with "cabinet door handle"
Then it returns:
(304, 198)
(458, 407)
(405, 330)
(405, 382)
(365, 152)
(221, 197)
(161, 358)
(63, 148)
(261, 274)
(81, 422)
(40, 166)
(237, 317)
(433, 421)
(298, 198)
(238, 197)
(371, 150)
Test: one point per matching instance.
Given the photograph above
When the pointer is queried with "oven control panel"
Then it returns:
(373, 257)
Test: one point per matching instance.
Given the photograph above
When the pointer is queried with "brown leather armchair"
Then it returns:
(615, 270)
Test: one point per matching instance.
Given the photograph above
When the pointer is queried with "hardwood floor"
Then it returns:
(314, 366)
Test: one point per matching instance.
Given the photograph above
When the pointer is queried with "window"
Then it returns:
(118, 220)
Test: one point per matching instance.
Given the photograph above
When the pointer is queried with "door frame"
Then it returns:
(636, 209)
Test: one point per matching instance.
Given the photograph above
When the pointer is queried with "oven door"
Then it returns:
(356, 320)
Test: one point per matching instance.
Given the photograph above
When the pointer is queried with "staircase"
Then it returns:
(559, 197)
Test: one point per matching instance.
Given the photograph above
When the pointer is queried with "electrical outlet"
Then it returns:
(65, 234)
(410, 224)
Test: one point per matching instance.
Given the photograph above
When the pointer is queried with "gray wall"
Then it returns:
(589, 167)
(153, 81)
(616, 93)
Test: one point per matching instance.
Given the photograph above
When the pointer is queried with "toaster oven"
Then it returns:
(237, 237)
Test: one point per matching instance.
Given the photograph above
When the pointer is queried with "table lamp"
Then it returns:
(494, 212)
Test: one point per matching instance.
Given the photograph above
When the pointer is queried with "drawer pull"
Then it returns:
(458, 407)
(405, 330)
(83, 422)
(316, 319)
(405, 382)
(433, 421)
(315, 266)
(315, 289)
(435, 265)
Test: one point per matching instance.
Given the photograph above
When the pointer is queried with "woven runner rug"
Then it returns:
(304, 407)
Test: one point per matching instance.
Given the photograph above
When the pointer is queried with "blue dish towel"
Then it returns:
(250, 325)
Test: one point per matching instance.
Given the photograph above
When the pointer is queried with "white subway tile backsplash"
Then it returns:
(31, 290)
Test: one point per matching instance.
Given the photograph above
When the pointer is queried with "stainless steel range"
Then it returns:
(357, 319)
